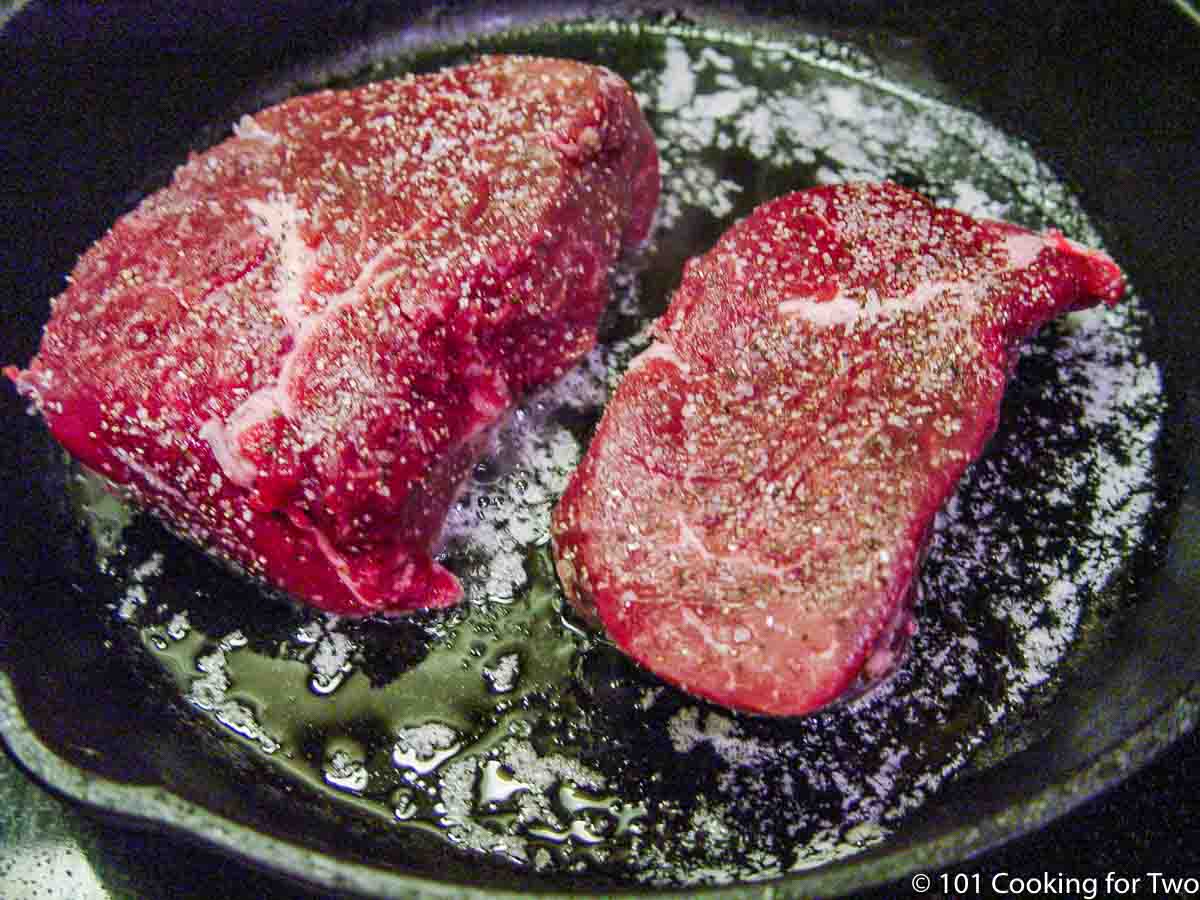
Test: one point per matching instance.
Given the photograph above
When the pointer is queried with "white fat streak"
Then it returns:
(280, 220)
(706, 634)
(840, 310)
(689, 540)
(225, 439)
(236, 467)
(305, 335)
(844, 310)
(659, 350)
(1023, 248)
(249, 129)
(338, 562)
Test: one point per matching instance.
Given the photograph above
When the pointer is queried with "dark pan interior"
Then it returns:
(101, 96)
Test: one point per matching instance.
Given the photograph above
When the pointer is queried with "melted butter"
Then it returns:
(506, 728)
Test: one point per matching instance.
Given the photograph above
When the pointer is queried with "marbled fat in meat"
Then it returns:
(295, 351)
(748, 519)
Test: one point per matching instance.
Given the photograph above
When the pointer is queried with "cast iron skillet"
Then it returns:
(101, 97)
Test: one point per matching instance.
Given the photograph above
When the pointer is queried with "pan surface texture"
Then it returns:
(501, 747)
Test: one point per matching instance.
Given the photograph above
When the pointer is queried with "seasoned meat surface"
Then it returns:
(296, 350)
(748, 518)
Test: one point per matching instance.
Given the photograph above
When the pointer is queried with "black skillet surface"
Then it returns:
(1111, 115)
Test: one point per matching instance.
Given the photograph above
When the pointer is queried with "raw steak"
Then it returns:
(295, 351)
(748, 518)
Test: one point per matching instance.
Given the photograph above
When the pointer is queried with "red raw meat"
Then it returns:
(748, 518)
(295, 351)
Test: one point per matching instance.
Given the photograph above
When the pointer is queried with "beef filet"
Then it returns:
(295, 351)
(748, 518)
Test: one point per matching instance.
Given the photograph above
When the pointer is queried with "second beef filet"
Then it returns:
(748, 518)
(295, 351)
